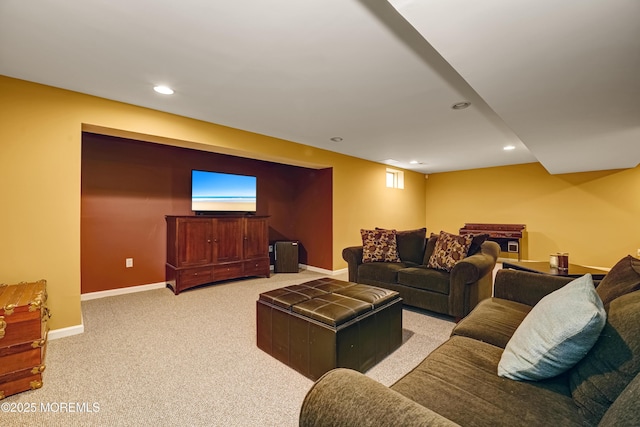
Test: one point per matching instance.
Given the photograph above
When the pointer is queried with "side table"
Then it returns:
(543, 267)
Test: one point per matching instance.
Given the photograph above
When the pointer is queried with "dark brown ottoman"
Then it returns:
(327, 323)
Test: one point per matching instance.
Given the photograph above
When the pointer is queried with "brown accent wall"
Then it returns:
(313, 207)
(129, 186)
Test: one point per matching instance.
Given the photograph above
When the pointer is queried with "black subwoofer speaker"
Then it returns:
(286, 257)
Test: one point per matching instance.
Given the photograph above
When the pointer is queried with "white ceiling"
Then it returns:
(558, 80)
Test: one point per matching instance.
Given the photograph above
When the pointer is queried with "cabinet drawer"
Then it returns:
(19, 381)
(227, 271)
(257, 267)
(18, 360)
(21, 327)
(195, 276)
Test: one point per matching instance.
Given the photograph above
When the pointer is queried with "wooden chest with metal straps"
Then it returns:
(23, 336)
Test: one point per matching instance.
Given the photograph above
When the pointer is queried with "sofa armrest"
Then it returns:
(472, 268)
(526, 287)
(471, 278)
(353, 256)
(343, 397)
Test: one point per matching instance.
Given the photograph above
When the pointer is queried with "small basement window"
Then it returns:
(395, 178)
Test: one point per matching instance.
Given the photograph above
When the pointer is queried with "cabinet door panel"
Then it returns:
(194, 241)
(228, 239)
(256, 238)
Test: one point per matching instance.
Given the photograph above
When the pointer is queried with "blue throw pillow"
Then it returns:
(556, 334)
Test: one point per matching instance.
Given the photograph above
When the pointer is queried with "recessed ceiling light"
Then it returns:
(460, 105)
(165, 90)
(509, 147)
(336, 139)
(414, 162)
(390, 161)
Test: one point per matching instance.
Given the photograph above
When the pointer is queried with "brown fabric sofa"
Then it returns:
(454, 293)
(457, 384)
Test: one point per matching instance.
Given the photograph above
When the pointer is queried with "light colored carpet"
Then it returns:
(155, 359)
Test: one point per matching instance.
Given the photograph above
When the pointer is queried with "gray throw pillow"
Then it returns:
(556, 334)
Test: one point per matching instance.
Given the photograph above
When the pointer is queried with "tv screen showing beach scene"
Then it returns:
(222, 192)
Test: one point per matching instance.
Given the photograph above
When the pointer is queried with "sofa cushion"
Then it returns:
(493, 320)
(476, 243)
(379, 246)
(449, 249)
(411, 245)
(556, 334)
(458, 380)
(625, 411)
(425, 278)
(623, 278)
(386, 272)
(598, 379)
(429, 247)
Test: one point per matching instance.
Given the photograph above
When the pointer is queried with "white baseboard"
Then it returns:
(79, 329)
(341, 271)
(66, 332)
(323, 270)
(503, 259)
(54, 334)
(122, 291)
(598, 267)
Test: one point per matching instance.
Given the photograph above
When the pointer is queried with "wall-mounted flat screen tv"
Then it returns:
(222, 192)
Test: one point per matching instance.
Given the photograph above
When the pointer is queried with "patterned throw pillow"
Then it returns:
(379, 246)
(450, 248)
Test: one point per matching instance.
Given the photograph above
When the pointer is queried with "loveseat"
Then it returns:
(458, 383)
(454, 293)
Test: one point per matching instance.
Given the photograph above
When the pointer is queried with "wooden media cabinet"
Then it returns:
(205, 249)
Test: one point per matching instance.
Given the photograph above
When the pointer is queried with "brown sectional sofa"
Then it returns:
(457, 384)
(453, 293)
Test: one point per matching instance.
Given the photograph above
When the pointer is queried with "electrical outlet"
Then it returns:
(271, 248)
(128, 262)
(638, 253)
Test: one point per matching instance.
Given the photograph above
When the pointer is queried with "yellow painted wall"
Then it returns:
(40, 163)
(592, 215)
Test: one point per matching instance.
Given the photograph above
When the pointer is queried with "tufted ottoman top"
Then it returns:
(332, 309)
(329, 301)
(291, 295)
(371, 294)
